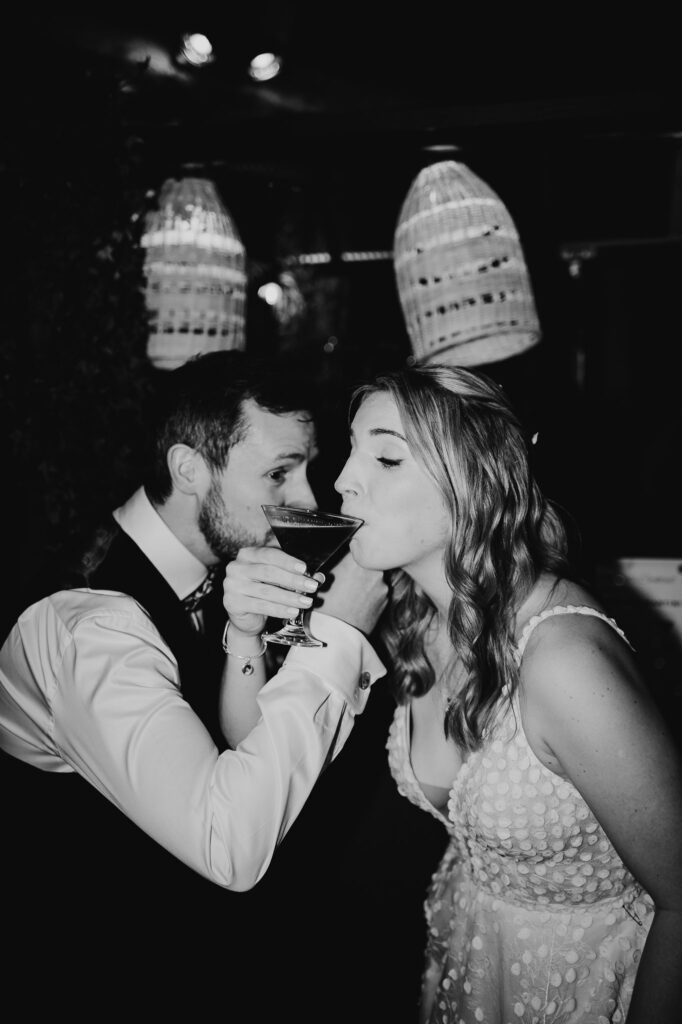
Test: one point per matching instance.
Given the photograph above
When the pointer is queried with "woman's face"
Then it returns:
(406, 523)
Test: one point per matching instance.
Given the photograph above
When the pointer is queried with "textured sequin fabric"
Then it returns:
(532, 916)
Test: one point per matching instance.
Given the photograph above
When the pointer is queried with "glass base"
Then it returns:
(293, 635)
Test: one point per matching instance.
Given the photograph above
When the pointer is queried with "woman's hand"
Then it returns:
(262, 582)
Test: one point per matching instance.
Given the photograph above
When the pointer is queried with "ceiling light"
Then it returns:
(196, 49)
(271, 292)
(441, 147)
(265, 66)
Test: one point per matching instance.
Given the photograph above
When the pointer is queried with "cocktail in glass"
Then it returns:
(313, 537)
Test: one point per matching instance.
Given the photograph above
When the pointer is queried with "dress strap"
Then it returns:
(563, 609)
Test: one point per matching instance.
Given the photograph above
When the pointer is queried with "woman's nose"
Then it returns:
(344, 483)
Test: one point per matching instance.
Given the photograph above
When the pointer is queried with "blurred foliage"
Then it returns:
(73, 370)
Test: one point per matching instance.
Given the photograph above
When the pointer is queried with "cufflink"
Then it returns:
(364, 680)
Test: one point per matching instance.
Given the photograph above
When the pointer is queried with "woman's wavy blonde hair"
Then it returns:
(505, 533)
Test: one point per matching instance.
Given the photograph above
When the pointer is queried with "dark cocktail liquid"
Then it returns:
(313, 544)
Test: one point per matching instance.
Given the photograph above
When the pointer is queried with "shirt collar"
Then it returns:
(179, 567)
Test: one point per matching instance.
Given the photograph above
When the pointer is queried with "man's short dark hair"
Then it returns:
(201, 404)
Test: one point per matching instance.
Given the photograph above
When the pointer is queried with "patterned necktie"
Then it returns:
(194, 600)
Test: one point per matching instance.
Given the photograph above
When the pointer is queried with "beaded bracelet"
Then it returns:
(247, 667)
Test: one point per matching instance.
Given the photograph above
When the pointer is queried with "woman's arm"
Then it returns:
(584, 698)
(259, 583)
(238, 711)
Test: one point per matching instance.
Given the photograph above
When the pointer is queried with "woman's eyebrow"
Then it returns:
(384, 430)
(376, 431)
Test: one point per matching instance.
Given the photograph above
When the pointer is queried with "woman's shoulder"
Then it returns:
(554, 592)
(567, 640)
(557, 603)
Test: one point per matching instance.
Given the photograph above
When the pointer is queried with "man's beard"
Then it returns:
(224, 539)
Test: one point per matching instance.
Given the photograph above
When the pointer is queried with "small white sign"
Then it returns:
(656, 581)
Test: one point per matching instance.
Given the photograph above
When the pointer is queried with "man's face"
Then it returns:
(269, 466)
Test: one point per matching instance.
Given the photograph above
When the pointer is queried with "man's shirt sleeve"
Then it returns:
(117, 716)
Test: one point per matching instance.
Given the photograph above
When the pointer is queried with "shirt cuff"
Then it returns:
(348, 664)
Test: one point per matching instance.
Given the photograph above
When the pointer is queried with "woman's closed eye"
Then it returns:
(388, 463)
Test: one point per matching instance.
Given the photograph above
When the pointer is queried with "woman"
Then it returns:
(522, 722)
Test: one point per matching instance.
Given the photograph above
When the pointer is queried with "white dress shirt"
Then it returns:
(87, 684)
(182, 570)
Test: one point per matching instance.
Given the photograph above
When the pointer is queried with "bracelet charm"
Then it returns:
(247, 667)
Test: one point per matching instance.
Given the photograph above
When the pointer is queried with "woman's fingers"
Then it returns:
(267, 582)
(263, 598)
(274, 557)
(242, 578)
(269, 556)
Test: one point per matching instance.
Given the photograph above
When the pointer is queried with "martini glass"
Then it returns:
(313, 537)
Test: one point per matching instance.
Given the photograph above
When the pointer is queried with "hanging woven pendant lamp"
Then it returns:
(461, 274)
(195, 271)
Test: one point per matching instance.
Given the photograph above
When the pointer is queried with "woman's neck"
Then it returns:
(429, 575)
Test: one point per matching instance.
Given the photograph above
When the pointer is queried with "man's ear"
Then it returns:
(188, 470)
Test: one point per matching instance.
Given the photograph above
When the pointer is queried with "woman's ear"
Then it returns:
(188, 470)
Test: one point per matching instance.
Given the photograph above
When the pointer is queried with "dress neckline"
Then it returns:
(407, 740)
(464, 768)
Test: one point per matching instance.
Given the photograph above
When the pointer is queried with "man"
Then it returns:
(116, 681)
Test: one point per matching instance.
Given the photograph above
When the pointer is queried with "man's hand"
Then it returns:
(356, 595)
(262, 582)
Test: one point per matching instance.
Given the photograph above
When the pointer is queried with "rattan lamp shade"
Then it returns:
(195, 274)
(461, 274)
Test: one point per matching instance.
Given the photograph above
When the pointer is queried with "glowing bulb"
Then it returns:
(270, 293)
(265, 66)
(196, 49)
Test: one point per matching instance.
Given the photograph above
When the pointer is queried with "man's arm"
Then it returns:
(120, 720)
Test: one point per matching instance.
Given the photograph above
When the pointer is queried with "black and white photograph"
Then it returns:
(341, 626)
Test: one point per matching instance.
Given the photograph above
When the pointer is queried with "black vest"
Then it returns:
(84, 872)
(121, 565)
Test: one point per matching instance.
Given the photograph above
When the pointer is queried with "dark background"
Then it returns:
(576, 123)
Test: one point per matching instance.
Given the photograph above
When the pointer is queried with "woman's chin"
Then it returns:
(357, 550)
(365, 558)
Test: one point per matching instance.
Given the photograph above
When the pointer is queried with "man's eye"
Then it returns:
(389, 463)
(278, 475)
